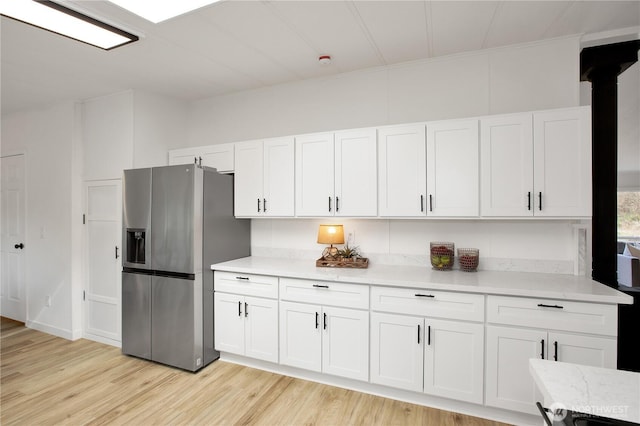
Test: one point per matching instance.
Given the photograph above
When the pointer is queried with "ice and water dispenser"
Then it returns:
(136, 239)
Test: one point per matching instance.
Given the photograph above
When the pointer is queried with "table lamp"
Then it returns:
(330, 234)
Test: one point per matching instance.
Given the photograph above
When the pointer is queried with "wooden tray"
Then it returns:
(359, 262)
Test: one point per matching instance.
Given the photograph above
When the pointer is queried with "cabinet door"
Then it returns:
(248, 180)
(454, 360)
(506, 155)
(220, 157)
(585, 350)
(356, 190)
(278, 177)
(452, 168)
(300, 335)
(229, 323)
(183, 156)
(314, 175)
(397, 351)
(261, 328)
(562, 161)
(402, 173)
(509, 384)
(345, 342)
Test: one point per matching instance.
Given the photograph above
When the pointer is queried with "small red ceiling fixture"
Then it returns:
(324, 59)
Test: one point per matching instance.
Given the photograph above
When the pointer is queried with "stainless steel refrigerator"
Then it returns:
(177, 221)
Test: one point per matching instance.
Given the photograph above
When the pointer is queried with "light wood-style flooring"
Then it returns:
(46, 380)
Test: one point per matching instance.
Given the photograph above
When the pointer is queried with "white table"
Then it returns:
(602, 392)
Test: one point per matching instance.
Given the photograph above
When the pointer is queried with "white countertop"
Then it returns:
(544, 285)
(599, 391)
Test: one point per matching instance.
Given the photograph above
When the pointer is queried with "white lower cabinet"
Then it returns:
(438, 357)
(462, 346)
(324, 327)
(246, 315)
(454, 360)
(438, 349)
(325, 339)
(536, 328)
(396, 351)
(246, 326)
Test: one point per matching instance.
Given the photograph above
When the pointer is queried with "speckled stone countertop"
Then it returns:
(543, 285)
(602, 392)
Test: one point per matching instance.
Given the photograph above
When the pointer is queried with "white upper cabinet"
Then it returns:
(264, 178)
(402, 173)
(336, 174)
(220, 156)
(562, 162)
(506, 144)
(356, 190)
(314, 175)
(452, 168)
(536, 164)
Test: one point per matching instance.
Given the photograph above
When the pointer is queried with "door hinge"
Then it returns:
(84, 219)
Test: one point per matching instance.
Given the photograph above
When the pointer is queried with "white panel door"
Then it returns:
(248, 180)
(454, 360)
(562, 162)
(506, 158)
(12, 291)
(103, 233)
(314, 167)
(508, 383)
(402, 173)
(585, 350)
(229, 323)
(345, 342)
(356, 176)
(300, 336)
(278, 191)
(261, 328)
(452, 168)
(397, 351)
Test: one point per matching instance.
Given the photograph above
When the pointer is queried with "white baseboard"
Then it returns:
(46, 328)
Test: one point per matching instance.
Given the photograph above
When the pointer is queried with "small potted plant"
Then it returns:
(350, 253)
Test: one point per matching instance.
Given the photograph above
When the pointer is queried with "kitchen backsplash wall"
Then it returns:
(551, 246)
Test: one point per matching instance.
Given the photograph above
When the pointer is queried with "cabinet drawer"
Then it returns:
(437, 304)
(325, 293)
(552, 314)
(246, 284)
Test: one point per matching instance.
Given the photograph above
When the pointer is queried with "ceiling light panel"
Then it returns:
(61, 20)
(158, 11)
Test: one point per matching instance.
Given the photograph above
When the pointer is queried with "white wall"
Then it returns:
(629, 128)
(159, 125)
(517, 78)
(49, 136)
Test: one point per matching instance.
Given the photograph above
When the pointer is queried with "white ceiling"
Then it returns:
(237, 45)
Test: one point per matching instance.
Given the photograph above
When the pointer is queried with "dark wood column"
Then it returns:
(601, 65)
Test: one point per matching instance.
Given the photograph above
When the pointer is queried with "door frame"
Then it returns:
(23, 153)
